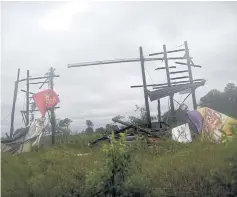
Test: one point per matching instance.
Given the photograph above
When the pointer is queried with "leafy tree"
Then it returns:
(65, 123)
(139, 120)
(89, 123)
(89, 130)
(100, 130)
(119, 117)
(224, 102)
(90, 126)
(111, 127)
(62, 126)
(108, 127)
(180, 117)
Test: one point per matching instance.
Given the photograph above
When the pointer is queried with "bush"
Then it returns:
(165, 169)
(108, 178)
(224, 183)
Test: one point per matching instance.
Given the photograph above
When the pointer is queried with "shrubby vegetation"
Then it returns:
(166, 169)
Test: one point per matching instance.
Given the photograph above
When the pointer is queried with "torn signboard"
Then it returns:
(182, 134)
(45, 99)
(164, 92)
(212, 124)
(25, 138)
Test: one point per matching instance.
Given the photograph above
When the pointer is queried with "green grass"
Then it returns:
(166, 169)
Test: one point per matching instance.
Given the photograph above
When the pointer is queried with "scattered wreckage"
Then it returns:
(203, 122)
(153, 135)
(24, 139)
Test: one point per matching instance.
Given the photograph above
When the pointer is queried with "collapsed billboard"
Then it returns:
(212, 124)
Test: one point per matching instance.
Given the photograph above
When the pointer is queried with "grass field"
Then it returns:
(165, 169)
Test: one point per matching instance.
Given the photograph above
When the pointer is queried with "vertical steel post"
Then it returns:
(190, 74)
(14, 104)
(148, 116)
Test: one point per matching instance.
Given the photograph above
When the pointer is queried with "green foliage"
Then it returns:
(65, 123)
(139, 120)
(166, 169)
(89, 123)
(90, 126)
(224, 102)
(108, 179)
(224, 183)
(50, 172)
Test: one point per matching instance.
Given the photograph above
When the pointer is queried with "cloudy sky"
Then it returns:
(36, 35)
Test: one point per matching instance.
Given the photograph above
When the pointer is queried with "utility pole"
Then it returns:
(190, 74)
(148, 117)
(27, 98)
(168, 81)
(53, 123)
(14, 104)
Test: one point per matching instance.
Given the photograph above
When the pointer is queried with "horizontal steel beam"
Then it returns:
(181, 63)
(179, 77)
(177, 82)
(23, 111)
(36, 78)
(26, 92)
(40, 82)
(155, 88)
(140, 86)
(173, 51)
(181, 71)
(164, 84)
(118, 61)
(105, 62)
(165, 67)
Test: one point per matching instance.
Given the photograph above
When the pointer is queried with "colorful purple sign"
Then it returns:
(196, 119)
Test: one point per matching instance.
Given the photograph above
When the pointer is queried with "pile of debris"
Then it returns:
(203, 122)
(153, 135)
(24, 139)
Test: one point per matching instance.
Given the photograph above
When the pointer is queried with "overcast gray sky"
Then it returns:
(36, 35)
